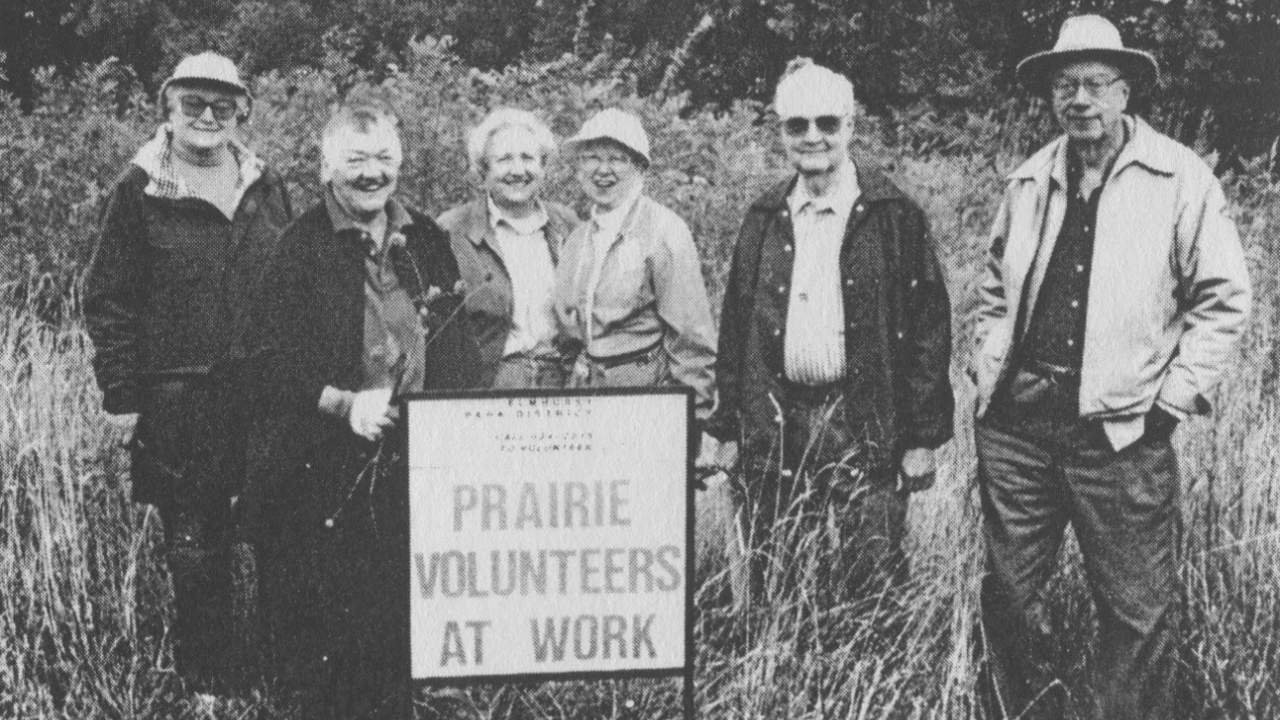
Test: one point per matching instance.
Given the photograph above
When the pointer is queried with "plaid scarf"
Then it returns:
(156, 159)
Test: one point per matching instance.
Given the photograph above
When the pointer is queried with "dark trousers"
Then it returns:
(334, 576)
(1040, 468)
(814, 488)
(188, 462)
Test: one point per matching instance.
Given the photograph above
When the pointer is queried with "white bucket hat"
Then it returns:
(209, 67)
(616, 125)
(1086, 37)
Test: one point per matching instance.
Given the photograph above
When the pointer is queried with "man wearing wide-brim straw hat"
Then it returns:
(1114, 294)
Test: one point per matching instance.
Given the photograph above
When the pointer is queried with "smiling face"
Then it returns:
(364, 167)
(608, 173)
(514, 169)
(815, 126)
(1089, 99)
(203, 116)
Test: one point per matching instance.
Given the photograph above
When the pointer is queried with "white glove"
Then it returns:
(370, 414)
(123, 427)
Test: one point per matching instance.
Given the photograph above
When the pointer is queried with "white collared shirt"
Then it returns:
(813, 346)
(606, 227)
(522, 243)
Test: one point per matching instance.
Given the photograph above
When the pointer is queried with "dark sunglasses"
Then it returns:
(193, 107)
(826, 124)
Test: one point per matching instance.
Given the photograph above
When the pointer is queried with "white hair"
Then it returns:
(501, 119)
(363, 117)
(805, 78)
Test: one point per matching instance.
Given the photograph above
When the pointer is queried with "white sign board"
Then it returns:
(549, 534)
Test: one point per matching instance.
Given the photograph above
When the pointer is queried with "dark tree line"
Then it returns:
(943, 57)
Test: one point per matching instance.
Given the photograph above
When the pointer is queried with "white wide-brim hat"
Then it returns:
(207, 67)
(617, 125)
(1087, 37)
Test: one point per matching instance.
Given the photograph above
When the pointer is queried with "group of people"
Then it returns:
(251, 359)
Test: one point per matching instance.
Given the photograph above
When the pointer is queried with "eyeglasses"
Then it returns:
(193, 107)
(799, 126)
(591, 161)
(1064, 88)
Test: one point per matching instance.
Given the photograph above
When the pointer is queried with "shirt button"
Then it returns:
(914, 283)
(777, 332)
(1075, 303)
(786, 248)
(1079, 268)
(782, 288)
(1071, 343)
(328, 523)
(849, 282)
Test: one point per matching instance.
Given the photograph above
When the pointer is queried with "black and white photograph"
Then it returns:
(639, 360)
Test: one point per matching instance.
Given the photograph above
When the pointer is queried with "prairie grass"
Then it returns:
(84, 609)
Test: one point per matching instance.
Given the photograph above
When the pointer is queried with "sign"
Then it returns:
(550, 534)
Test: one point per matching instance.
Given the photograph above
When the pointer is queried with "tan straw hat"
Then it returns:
(616, 125)
(207, 67)
(1085, 37)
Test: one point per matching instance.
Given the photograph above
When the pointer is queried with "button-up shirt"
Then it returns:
(813, 347)
(1168, 291)
(533, 276)
(394, 337)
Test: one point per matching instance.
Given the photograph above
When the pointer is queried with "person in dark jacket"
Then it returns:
(507, 243)
(359, 305)
(832, 368)
(189, 223)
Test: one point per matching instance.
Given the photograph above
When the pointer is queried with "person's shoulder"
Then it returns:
(313, 220)
(1164, 154)
(460, 217)
(667, 224)
(1039, 164)
(774, 197)
(561, 213)
(131, 179)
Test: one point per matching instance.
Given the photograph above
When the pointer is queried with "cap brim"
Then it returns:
(209, 82)
(1135, 64)
(577, 140)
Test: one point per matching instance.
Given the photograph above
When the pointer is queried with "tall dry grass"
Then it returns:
(83, 605)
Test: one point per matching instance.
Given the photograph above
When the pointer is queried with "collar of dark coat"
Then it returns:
(480, 231)
(874, 185)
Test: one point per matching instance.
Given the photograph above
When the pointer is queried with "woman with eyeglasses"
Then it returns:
(188, 224)
(629, 291)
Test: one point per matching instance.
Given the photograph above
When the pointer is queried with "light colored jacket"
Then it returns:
(650, 292)
(489, 300)
(1168, 291)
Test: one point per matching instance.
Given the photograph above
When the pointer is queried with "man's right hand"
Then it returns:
(716, 456)
(123, 427)
(370, 414)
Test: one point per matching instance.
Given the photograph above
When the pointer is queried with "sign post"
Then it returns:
(551, 536)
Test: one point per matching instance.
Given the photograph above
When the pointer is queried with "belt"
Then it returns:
(624, 358)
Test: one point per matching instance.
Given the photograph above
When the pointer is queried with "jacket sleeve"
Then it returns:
(284, 357)
(928, 406)
(115, 291)
(689, 340)
(1215, 299)
(452, 349)
(992, 305)
(725, 422)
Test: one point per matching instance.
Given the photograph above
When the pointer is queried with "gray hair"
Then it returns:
(501, 119)
(362, 115)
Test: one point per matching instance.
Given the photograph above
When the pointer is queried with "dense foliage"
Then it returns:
(942, 60)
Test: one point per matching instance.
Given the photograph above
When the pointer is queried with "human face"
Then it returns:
(365, 168)
(608, 173)
(203, 118)
(815, 132)
(513, 167)
(1089, 99)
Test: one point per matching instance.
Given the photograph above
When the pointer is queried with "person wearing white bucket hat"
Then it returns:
(630, 297)
(1114, 294)
(175, 269)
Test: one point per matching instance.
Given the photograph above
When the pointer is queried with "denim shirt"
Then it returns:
(1169, 291)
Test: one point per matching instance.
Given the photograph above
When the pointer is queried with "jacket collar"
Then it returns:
(1143, 149)
(874, 184)
(155, 158)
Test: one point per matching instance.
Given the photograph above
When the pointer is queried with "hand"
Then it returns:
(727, 455)
(370, 414)
(918, 470)
(122, 427)
(706, 460)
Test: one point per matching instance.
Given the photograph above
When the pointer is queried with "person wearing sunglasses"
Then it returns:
(630, 299)
(832, 369)
(1113, 297)
(187, 226)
